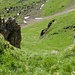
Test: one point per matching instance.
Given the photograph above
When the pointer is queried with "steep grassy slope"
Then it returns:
(11, 59)
(31, 7)
(52, 55)
(54, 6)
(26, 7)
(59, 41)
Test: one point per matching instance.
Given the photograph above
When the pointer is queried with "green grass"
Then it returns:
(54, 6)
(41, 57)
(59, 41)
(51, 7)
(13, 3)
(36, 57)
(51, 55)
(26, 7)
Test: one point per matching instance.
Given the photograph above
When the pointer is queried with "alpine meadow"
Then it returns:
(37, 37)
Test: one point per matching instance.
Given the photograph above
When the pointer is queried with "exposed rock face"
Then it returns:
(44, 31)
(11, 31)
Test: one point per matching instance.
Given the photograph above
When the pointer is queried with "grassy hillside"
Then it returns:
(26, 7)
(53, 54)
(58, 41)
(11, 59)
(54, 6)
(31, 7)
(41, 56)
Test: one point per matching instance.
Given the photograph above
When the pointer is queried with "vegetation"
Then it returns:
(26, 7)
(31, 7)
(52, 54)
(31, 34)
(42, 57)
(54, 6)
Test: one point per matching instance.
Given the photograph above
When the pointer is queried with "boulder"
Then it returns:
(11, 31)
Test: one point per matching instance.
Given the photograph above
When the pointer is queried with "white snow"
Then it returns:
(5, 20)
(18, 14)
(7, 9)
(26, 17)
(38, 18)
(42, 6)
(36, 4)
(24, 21)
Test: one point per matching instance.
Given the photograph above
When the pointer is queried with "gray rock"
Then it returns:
(11, 31)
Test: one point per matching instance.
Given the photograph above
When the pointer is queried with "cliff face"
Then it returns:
(11, 31)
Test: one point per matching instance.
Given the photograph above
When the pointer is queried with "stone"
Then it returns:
(54, 52)
(11, 31)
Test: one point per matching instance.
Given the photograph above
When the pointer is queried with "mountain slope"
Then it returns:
(58, 27)
(55, 52)
(32, 8)
(55, 6)
(26, 7)
(52, 54)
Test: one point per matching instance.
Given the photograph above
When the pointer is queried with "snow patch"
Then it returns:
(18, 14)
(38, 18)
(26, 17)
(24, 21)
(42, 6)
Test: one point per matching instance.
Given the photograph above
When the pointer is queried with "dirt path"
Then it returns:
(60, 13)
(33, 20)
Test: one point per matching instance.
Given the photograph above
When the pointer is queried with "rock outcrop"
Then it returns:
(11, 31)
